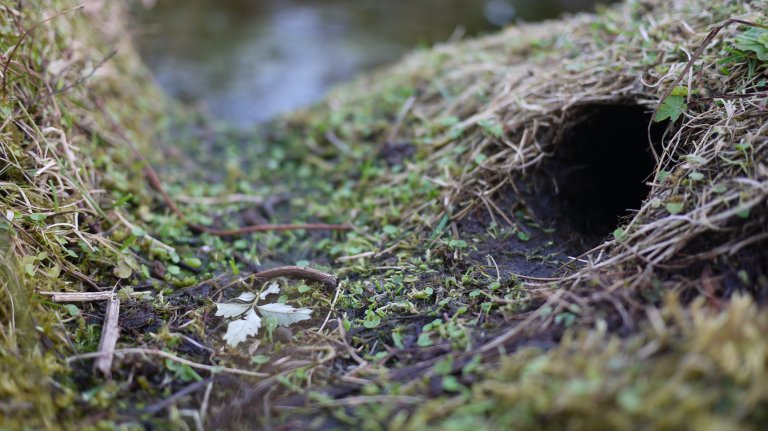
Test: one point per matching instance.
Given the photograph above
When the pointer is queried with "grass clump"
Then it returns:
(62, 108)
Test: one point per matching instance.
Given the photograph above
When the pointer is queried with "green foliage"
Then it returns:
(675, 207)
(671, 108)
(755, 41)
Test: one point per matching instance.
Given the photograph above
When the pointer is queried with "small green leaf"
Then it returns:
(173, 270)
(449, 121)
(522, 236)
(259, 359)
(389, 229)
(193, 262)
(695, 160)
(451, 384)
(371, 322)
(630, 399)
(397, 340)
(183, 372)
(680, 90)
(270, 323)
(72, 310)
(38, 217)
(675, 207)
(619, 234)
(233, 267)
(457, 244)
(122, 270)
(671, 108)
(424, 340)
(302, 263)
(696, 176)
(440, 226)
(566, 319)
(754, 40)
(472, 366)
(743, 146)
(744, 214)
(55, 271)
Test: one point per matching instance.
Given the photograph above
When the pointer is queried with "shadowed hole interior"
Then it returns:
(599, 168)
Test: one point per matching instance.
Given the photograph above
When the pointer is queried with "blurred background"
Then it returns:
(246, 61)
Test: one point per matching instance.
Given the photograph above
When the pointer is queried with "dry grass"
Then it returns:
(57, 133)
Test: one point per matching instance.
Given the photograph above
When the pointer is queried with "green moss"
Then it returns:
(703, 370)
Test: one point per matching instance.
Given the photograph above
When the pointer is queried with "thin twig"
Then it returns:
(78, 296)
(109, 334)
(298, 272)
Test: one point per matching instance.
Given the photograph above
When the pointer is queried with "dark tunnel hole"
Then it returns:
(598, 173)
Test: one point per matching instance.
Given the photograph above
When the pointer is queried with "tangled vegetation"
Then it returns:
(559, 226)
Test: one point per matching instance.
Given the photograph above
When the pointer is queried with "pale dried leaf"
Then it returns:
(231, 309)
(273, 288)
(246, 297)
(239, 330)
(284, 314)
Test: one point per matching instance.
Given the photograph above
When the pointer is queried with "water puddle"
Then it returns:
(245, 61)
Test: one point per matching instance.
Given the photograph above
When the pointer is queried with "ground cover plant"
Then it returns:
(559, 226)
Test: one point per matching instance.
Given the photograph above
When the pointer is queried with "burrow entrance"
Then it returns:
(597, 174)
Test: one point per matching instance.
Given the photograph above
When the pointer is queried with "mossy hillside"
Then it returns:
(65, 113)
(478, 107)
(451, 262)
